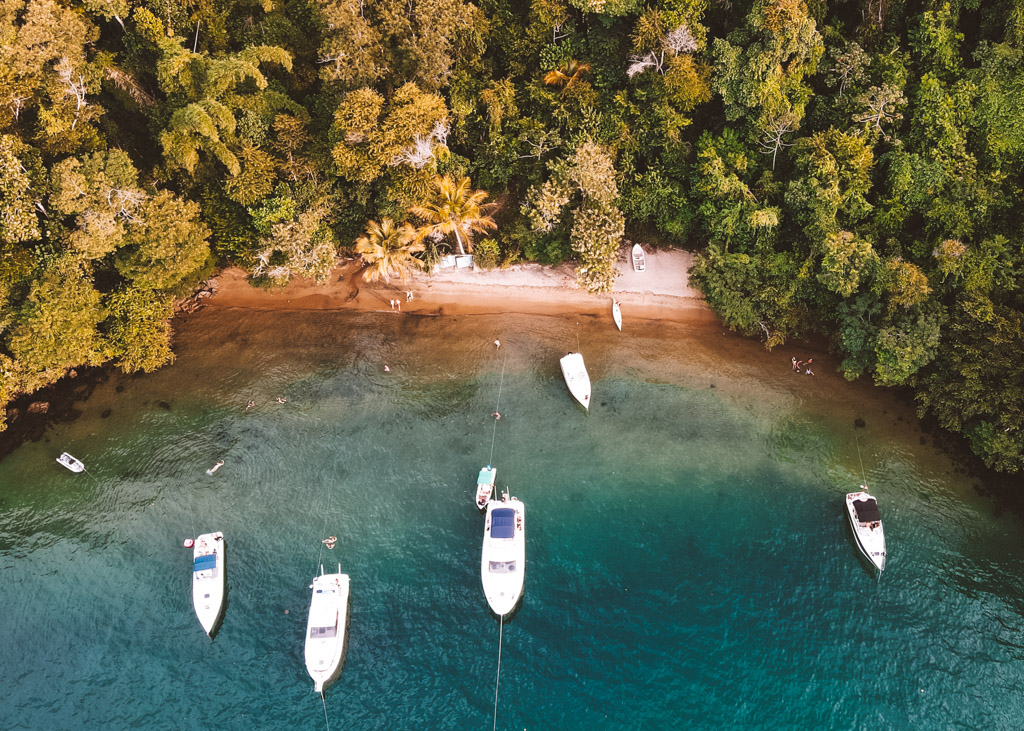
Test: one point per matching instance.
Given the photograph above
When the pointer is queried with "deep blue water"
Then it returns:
(687, 561)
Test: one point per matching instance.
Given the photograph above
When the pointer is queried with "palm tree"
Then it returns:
(457, 209)
(563, 77)
(387, 250)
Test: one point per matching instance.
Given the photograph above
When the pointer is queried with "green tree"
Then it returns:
(387, 251)
(18, 221)
(455, 209)
(166, 246)
(369, 134)
(55, 328)
(139, 329)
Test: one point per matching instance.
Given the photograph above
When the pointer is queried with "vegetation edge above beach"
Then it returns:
(845, 169)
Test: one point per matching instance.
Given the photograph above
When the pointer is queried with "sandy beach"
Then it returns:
(662, 291)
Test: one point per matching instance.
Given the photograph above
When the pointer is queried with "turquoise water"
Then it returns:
(687, 561)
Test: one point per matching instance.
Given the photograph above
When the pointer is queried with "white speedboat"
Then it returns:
(208, 579)
(576, 378)
(485, 486)
(503, 559)
(73, 464)
(617, 314)
(866, 521)
(639, 259)
(326, 628)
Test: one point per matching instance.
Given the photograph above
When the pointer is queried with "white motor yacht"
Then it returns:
(503, 559)
(208, 579)
(326, 628)
(866, 522)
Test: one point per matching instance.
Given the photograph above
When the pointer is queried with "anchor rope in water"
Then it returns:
(863, 474)
(326, 720)
(327, 512)
(494, 431)
(497, 678)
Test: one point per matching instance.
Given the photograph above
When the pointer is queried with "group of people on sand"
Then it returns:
(396, 303)
(803, 366)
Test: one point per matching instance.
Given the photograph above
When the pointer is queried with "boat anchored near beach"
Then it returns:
(326, 628)
(72, 463)
(503, 559)
(208, 579)
(617, 314)
(639, 259)
(866, 522)
(485, 486)
(576, 378)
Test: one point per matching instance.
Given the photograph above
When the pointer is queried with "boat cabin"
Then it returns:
(503, 523)
(866, 511)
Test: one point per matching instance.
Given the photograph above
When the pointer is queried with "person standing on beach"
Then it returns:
(796, 368)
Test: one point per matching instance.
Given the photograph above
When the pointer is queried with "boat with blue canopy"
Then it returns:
(208, 579)
(503, 559)
(485, 486)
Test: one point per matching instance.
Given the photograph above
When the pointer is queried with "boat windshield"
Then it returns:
(866, 510)
(501, 567)
(503, 523)
(323, 633)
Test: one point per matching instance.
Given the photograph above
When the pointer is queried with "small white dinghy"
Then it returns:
(639, 259)
(866, 521)
(208, 579)
(485, 486)
(503, 560)
(73, 464)
(326, 628)
(576, 378)
(617, 314)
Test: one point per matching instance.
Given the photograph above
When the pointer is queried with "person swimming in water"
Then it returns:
(220, 463)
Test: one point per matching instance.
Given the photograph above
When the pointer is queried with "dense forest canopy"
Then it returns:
(844, 167)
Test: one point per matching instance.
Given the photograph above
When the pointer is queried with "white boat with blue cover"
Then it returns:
(326, 628)
(576, 378)
(208, 579)
(866, 522)
(485, 486)
(503, 559)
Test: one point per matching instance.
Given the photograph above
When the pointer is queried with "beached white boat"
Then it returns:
(503, 560)
(576, 378)
(73, 464)
(617, 314)
(639, 260)
(485, 486)
(208, 579)
(326, 628)
(866, 521)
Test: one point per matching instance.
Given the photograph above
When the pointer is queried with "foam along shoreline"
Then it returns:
(662, 291)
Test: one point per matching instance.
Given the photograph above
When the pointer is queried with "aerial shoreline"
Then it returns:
(662, 292)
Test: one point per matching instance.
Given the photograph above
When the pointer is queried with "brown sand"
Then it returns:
(662, 292)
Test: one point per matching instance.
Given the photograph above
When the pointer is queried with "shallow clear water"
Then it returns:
(688, 564)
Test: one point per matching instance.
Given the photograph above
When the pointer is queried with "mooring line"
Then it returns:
(863, 474)
(497, 414)
(326, 720)
(320, 555)
(497, 679)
